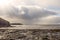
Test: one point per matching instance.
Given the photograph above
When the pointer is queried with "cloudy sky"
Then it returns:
(31, 11)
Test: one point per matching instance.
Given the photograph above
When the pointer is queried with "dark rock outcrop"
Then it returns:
(16, 23)
(4, 23)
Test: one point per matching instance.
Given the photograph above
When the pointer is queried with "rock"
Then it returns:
(16, 24)
(4, 23)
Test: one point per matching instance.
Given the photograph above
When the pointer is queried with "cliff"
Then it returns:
(4, 23)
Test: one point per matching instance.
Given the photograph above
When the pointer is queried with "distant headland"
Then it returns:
(5, 23)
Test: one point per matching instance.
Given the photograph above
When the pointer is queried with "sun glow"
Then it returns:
(4, 2)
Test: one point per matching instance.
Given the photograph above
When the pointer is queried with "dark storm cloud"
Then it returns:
(30, 15)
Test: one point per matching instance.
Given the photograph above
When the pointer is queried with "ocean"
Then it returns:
(32, 27)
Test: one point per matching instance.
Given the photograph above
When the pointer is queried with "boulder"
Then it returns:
(4, 23)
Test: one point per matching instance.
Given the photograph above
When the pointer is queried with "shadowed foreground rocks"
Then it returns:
(4, 23)
(29, 34)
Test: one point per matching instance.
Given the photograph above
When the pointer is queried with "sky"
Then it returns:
(31, 11)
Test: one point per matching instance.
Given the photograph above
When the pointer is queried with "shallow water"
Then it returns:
(32, 27)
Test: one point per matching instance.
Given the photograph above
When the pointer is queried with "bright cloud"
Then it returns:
(30, 15)
(30, 11)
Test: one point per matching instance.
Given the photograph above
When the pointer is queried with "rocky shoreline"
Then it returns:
(29, 34)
